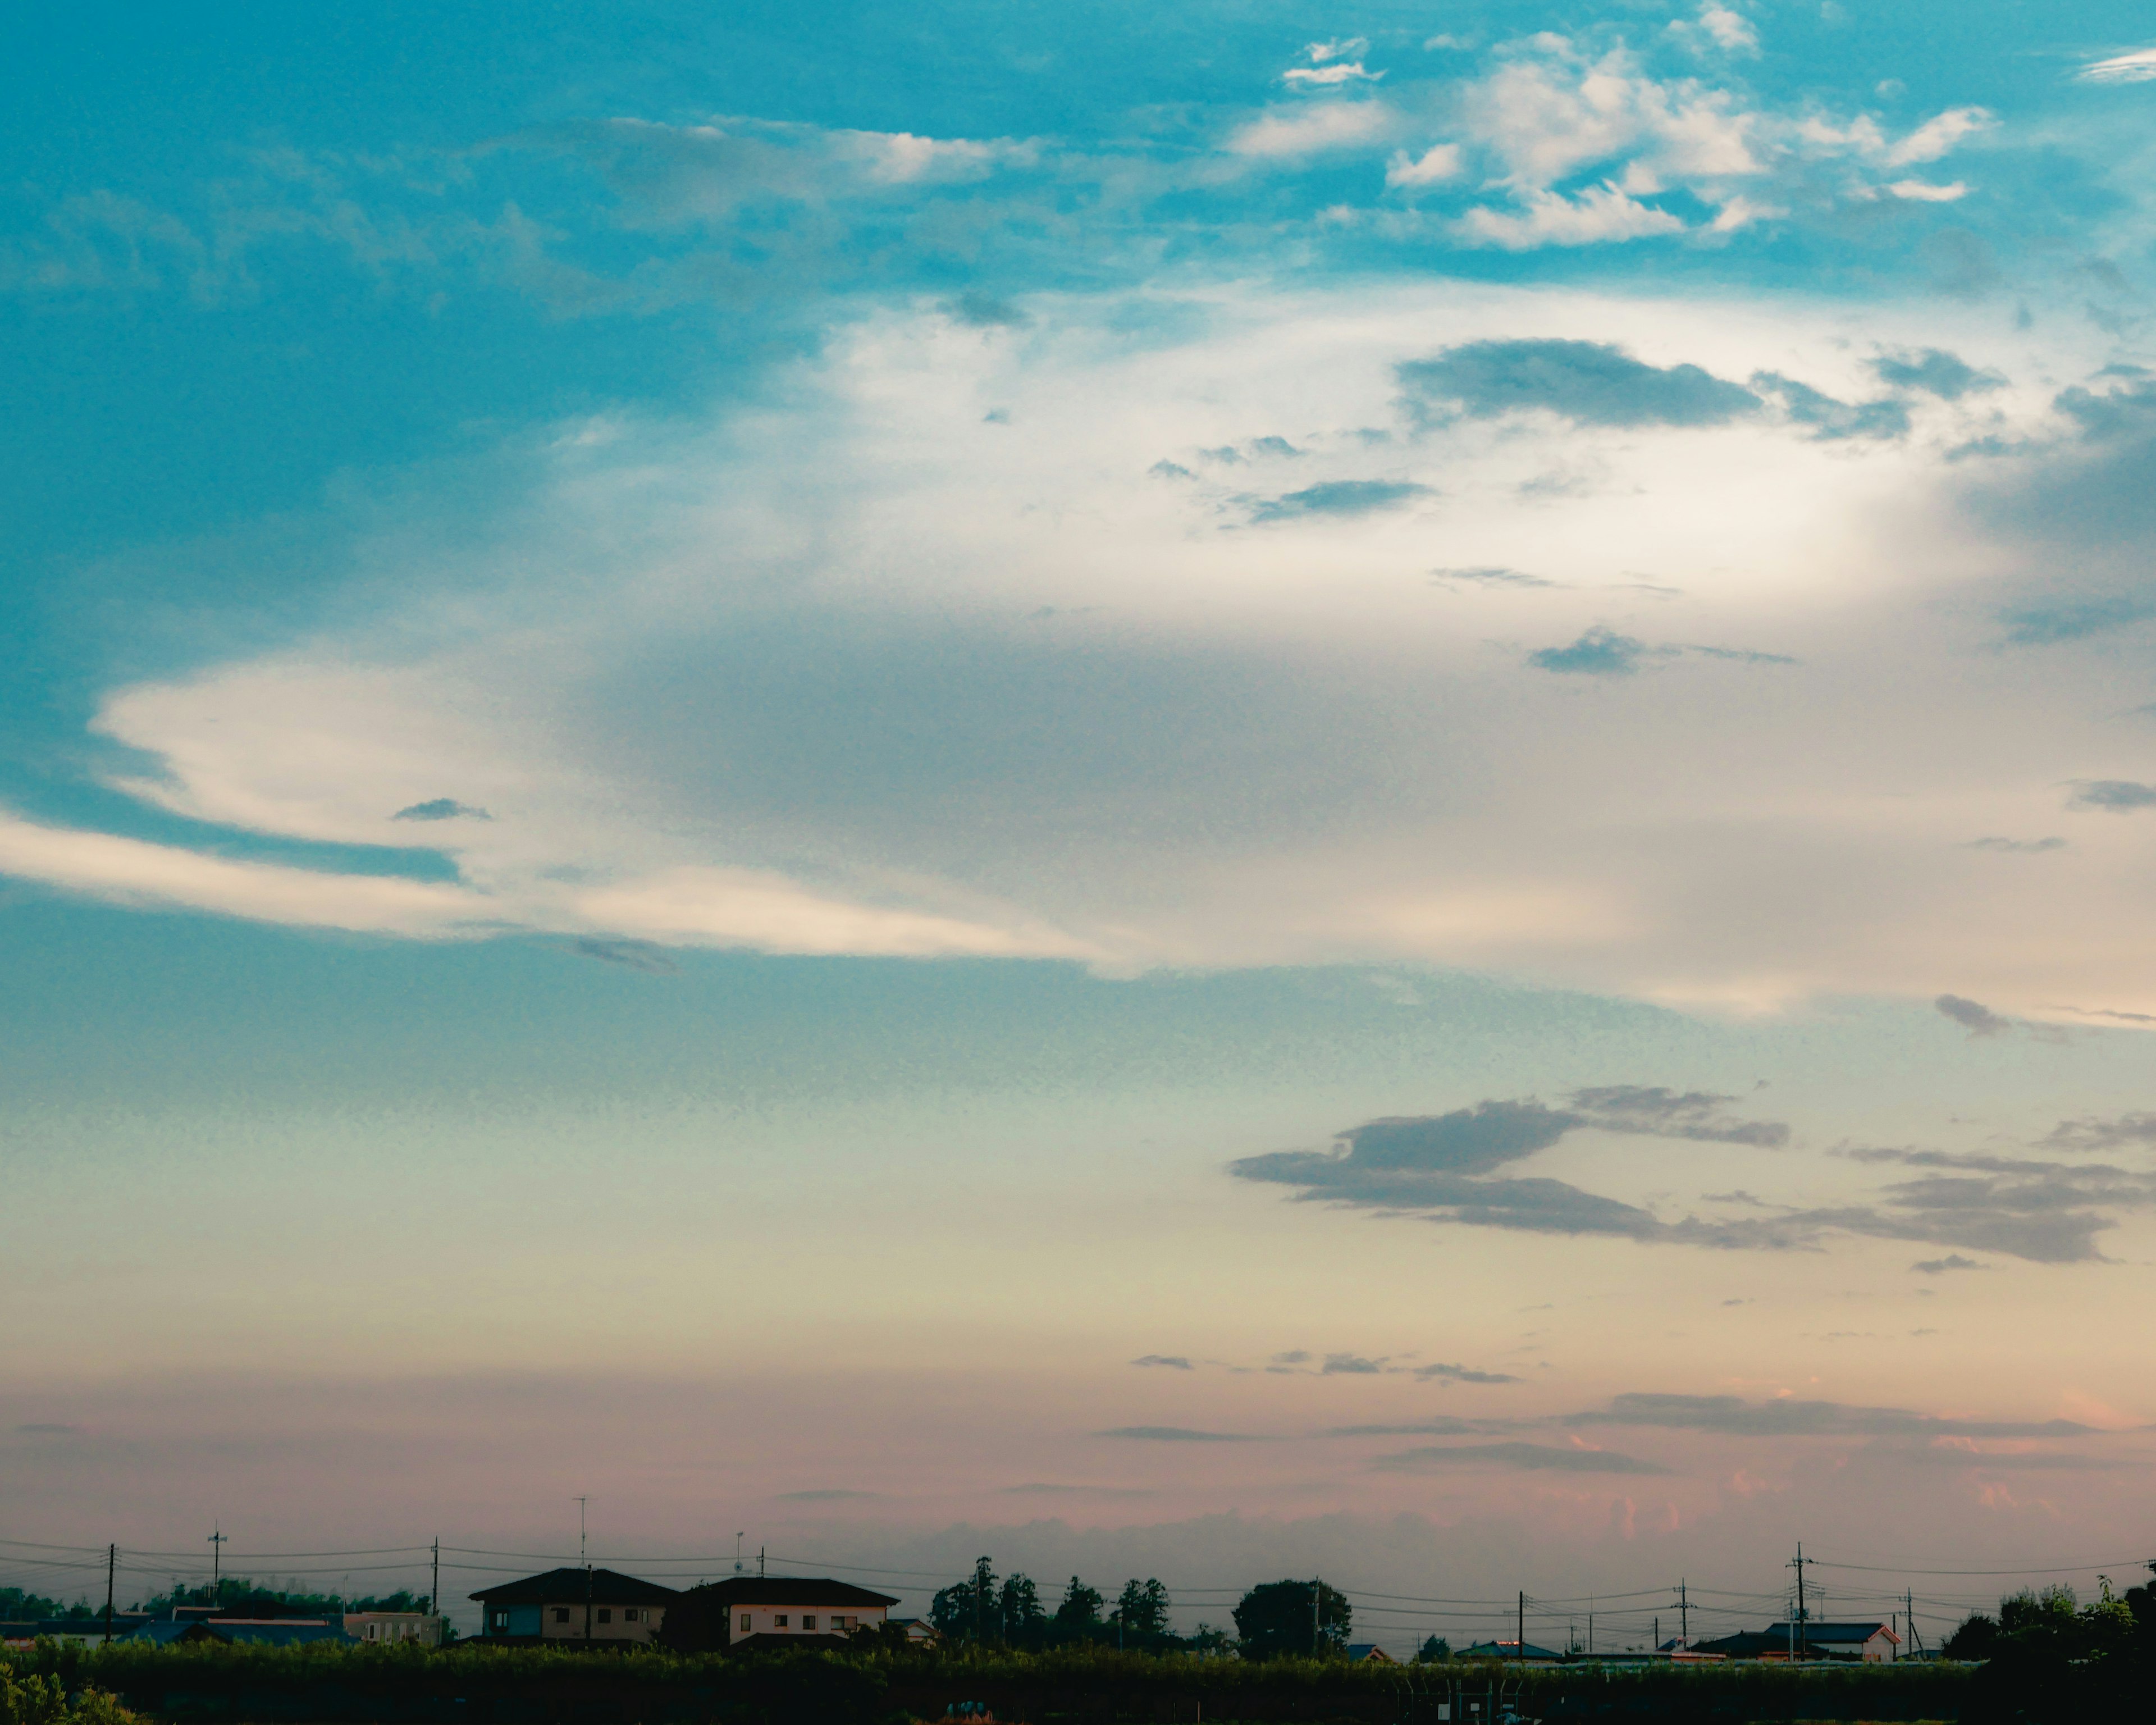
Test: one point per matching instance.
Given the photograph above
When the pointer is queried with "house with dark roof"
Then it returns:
(767, 1611)
(1368, 1653)
(86, 1631)
(236, 1631)
(1867, 1643)
(1529, 1654)
(574, 1605)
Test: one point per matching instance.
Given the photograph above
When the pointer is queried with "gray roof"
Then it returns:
(573, 1586)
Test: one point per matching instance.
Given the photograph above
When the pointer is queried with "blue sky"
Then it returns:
(671, 670)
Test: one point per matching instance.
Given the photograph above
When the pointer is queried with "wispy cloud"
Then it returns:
(1530, 1458)
(1176, 1434)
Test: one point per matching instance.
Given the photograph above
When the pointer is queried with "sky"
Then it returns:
(1213, 792)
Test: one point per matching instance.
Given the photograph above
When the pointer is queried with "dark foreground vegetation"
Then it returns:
(469, 1685)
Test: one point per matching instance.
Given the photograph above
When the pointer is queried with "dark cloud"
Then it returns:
(1589, 382)
(1176, 1434)
(1830, 420)
(2127, 408)
(1530, 1457)
(1940, 1266)
(1601, 652)
(1041, 1489)
(1174, 1360)
(1441, 1427)
(1489, 578)
(441, 809)
(1732, 1416)
(986, 311)
(1935, 371)
(1337, 497)
(1170, 469)
(1446, 1168)
(828, 1495)
(1273, 446)
(1977, 1018)
(2115, 794)
(1293, 1357)
(2052, 621)
(1441, 1373)
(1351, 1365)
(2016, 846)
(632, 955)
(2125, 1131)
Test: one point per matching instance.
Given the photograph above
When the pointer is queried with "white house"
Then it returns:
(790, 1607)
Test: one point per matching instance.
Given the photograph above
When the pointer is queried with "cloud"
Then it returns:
(1283, 135)
(1937, 136)
(1831, 420)
(1730, 30)
(1587, 383)
(1439, 1372)
(1732, 1416)
(984, 311)
(1596, 216)
(1174, 1360)
(1441, 1427)
(1601, 652)
(2124, 1132)
(1935, 371)
(1940, 1266)
(1176, 1434)
(2115, 795)
(1350, 1364)
(1434, 166)
(827, 1495)
(2136, 66)
(1490, 578)
(1338, 497)
(632, 955)
(1978, 1019)
(2016, 846)
(441, 809)
(2054, 620)
(1528, 1457)
(1328, 77)
(40, 1428)
(1293, 1357)
(1041, 1489)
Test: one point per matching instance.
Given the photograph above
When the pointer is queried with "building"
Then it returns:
(1864, 1643)
(236, 1631)
(1368, 1653)
(795, 1608)
(1512, 1650)
(919, 1631)
(82, 1631)
(378, 1627)
(574, 1605)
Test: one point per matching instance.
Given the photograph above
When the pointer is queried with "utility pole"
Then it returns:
(217, 1567)
(434, 1597)
(1520, 1647)
(1684, 1615)
(1909, 1615)
(584, 1562)
(1797, 1564)
(759, 1563)
(738, 1568)
(1315, 1586)
(111, 1564)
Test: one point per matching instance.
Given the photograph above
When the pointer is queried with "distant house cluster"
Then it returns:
(187, 1625)
(1865, 1643)
(597, 1604)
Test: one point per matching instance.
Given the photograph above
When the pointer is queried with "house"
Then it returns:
(236, 1631)
(1512, 1650)
(1866, 1643)
(383, 1626)
(82, 1631)
(919, 1631)
(766, 1609)
(574, 1605)
(1368, 1653)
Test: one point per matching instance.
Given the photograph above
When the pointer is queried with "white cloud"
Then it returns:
(1287, 133)
(1596, 216)
(1923, 191)
(1937, 136)
(852, 672)
(2138, 66)
(1731, 30)
(1326, 77)
(1432, 168)
(1340, 47)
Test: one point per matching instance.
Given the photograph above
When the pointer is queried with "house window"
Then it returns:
(779, 1621)
(809, 1621)
(501, 1619)
(630, 1615)
(561, 1614)
(605, 1615)
(744, 1623)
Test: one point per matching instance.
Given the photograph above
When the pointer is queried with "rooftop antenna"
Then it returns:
(739, 1567)
(217, 1542)
(581, 1562)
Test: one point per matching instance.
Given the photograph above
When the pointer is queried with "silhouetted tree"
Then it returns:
(1276, 1620)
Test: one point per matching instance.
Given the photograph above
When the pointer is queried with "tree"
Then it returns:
(1019, 1613)
(1277, 1620)
(1434, 1651)
(969, 1611)
(1143, 1609)
(1081, 1610)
